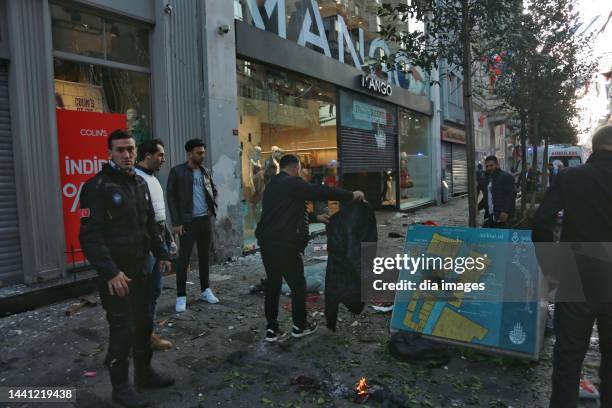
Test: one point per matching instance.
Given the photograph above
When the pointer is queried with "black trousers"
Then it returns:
(198, 231)
(573, 327)
(129, 317)
(284, 262)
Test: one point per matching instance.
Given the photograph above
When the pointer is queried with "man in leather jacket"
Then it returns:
(282, 233)
(117, 232)
(191, 200)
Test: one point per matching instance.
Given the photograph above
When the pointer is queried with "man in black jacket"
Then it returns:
(498, 195)
(282, 233)
(117, 232)
(584, 193)
(191, 201)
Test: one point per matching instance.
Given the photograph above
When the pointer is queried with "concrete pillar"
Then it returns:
(35, 140)
(220, 93)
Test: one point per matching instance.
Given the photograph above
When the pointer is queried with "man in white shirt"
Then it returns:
(151, 156)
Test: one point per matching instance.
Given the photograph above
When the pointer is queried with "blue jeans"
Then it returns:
(156, 282)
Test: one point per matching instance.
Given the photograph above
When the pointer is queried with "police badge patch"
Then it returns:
(117, 198)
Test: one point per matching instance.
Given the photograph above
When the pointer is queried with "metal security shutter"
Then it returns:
(448, 165)
(460, 179)
(368, 151)
(10, 247)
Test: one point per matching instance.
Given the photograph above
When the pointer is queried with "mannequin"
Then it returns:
(135, 127)
(331, 179)
(256, 179)
(405, 179)
(390, 189)
(272, 167)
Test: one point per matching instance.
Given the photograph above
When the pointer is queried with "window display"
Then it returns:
(279, 113)
(415, 160)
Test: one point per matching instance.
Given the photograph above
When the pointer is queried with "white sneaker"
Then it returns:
(181, 304)
(209, 297)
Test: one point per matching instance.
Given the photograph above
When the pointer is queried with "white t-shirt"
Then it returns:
(157, 194)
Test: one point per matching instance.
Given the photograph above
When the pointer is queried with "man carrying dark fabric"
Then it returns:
(191, 201)
(282, 233)
(498, 195)
(584, 193)
(117, 232)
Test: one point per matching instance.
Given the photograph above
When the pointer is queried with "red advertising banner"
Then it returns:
(82, 145)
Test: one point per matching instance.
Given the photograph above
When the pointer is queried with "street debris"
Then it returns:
(198, 336)
(305, 383)
(259, 287)
(89, 374)
(409, 346)
(315, 279)
(588, 390)
(382, 309)
(84, 301)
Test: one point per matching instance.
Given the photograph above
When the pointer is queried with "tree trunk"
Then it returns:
(534, 165)
(545, 165)
(469, 116)
(523, 118)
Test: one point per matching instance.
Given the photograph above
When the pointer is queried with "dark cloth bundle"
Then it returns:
(353, 225)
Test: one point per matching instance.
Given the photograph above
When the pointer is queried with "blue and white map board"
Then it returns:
(509, 319)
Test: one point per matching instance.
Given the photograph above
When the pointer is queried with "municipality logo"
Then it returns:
(517, 335)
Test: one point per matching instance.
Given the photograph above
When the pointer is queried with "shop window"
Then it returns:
(82, 33)
(77, 32)
(102, 83)
(94, 88)
(415, 159)
(279, 113)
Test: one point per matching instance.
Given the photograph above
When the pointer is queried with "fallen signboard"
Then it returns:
(508, 317)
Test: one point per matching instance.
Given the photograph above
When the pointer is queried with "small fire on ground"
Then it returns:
(361, 389)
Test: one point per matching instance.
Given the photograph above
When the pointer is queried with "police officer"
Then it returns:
(117, 232)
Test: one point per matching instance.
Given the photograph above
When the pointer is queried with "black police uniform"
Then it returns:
(117, 232)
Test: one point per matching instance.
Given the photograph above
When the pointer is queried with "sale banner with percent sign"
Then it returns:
(82, 145)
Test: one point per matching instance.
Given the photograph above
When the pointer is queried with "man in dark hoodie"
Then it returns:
(584, 193)
(282, 233)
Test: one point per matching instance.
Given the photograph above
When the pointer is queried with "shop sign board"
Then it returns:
(453, 135)
(375, 85)
(369, 113)
(82, 144)
(312, 32)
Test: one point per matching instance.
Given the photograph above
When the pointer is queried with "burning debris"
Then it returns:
(361, 389)
(378, 393)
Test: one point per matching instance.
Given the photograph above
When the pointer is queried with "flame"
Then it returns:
(361, 388)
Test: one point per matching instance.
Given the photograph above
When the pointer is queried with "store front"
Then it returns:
(301, 90)
(454, 157)
(280, 113)
(102, 83)
(415, 175)
(368, 146)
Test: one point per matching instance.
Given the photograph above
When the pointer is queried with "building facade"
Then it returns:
(252, 78)
(73, 71)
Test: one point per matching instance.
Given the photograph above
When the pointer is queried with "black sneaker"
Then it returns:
(309, 329)
(274, 335)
